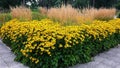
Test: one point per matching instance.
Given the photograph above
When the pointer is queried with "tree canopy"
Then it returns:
(54, 3)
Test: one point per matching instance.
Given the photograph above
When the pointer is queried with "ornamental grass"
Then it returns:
(105, 14)
(67, 15)
(64, 14)
(22, 13)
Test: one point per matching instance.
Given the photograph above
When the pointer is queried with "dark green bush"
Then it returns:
(118, 14)
(38, 16)
(4, 17)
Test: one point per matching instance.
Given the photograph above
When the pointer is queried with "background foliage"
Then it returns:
(54, 3)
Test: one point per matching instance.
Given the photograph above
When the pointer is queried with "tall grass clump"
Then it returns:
(91, 14)
(64, 14)
(21, 13)
(68, 15)
(87, 15)
(105, 14)
(43, 10)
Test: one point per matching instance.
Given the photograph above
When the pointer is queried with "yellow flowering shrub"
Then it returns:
(45, 43)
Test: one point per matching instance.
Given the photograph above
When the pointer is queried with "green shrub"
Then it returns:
(38, 16)
(4, 17)
(117, 5)
(0, 25)
(118, 14)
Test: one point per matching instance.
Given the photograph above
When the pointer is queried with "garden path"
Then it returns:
(7, 58)
(109, 59)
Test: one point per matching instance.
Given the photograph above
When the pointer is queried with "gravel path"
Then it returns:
(109, 59)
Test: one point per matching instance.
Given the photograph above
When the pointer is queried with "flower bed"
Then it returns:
(45, 44)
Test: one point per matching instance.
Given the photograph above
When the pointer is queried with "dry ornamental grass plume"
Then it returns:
(21, 13)
(105, 14)
(64, 14)
(43, 10)
(86, 15)
(68, 14)
(90, 14)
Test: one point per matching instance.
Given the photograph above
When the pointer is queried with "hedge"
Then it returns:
(47, 44)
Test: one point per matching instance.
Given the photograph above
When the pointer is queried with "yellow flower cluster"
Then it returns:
(45, 35)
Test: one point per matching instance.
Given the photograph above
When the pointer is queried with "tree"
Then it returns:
(5, 4)
(102, 3)
(80, 3)
(54, 3)
(117, 5)
(74, 3)
(50, 3)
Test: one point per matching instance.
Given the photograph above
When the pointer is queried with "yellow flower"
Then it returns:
(53, 47)
(42, 36)
(60, 45)
(42, 49)
(36, 61)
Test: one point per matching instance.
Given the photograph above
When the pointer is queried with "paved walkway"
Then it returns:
(7, 58)
(109, 59)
